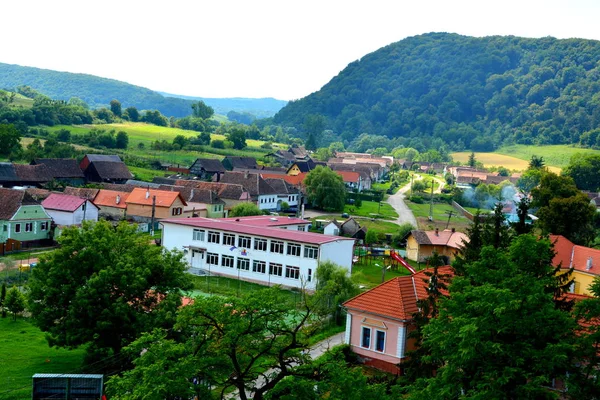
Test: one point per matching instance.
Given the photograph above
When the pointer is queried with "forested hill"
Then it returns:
(472, 93)
(98, 92)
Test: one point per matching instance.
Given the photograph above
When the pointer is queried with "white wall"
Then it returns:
(180, 237)
(331, 229)
(267, 202)
(76, 217)
(338, 252)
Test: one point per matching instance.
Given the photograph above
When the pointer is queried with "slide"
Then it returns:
(402, 261)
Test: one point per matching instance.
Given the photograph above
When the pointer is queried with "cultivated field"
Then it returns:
(499, 160)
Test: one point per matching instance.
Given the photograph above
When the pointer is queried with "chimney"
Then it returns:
(588, 264)
(246, 174)
(453, 230)
(148, 192)
(437, 232)
(118, 199)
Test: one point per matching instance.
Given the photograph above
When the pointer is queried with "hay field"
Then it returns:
(498, 160)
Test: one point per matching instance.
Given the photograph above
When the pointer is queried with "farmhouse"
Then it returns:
(420, 245)
(105, 168)
(22, 218)
(68, 210)
(166, 204)
(379, 320)
(206, 168)
(263, 249)
(111, 204)
(65, 170)
(585, 262)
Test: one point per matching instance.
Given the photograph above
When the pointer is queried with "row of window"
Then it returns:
(268, 200)
(28, 227)
(366, 341)
(258, 266)
(245, 242)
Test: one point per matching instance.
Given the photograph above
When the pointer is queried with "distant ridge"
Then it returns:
(98, 92)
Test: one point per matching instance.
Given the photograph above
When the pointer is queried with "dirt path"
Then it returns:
(397, 201)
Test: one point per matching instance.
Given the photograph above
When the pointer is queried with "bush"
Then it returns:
(217, 144)
(417, 199)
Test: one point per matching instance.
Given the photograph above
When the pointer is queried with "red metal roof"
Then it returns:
(267, 220)
(396, 298)
(62, 202)
(226, 224)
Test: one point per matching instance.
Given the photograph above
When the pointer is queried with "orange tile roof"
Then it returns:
(563, 248)
(396, 298)
(295, 180)
(584, 255)
(108, 198)
(349, 176)
(163, 198)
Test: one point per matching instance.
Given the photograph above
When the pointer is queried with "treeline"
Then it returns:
(470, 93)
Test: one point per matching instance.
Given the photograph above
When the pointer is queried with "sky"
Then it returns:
(260, 48)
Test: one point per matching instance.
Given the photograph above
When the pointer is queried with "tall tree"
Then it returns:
(10, 139)
(122, 140)
(334, 286)
(536, 162)
(325, 189)
(238, 137)
(201, 110)
(583, 168)
(104, 286)
(226, 342)
(14, 302)
(115, 107)
(472, 160)
(133, 114)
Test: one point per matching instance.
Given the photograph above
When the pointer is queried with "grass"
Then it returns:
(440, 216)
(24, 352)
(372, 209)
(368, 275)
(145, 174)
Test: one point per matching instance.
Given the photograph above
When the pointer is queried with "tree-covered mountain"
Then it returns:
(467, 92)
(98, 92)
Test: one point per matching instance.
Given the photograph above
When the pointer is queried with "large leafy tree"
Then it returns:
(10, 138)
(249, 344)
(104, 286)
(115, 107)
(584, 169)
(238, 137)
(499, 333)
(244, 210)
(325, 189)
(201, 110)
(334, 286)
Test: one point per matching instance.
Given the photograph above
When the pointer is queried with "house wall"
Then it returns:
(267, 202)
(111, 212)
(215, 210)
(583, 282)
(294, 171)
(331, 229)
(160, 212)
(419, 253)
(76, 217)
(182, 237)
(395, 337)
(339, 252)
(34, 214)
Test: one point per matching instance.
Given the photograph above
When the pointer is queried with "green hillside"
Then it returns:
(465, 92)
(98, 92)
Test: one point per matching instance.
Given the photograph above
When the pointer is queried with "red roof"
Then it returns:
(349, 176)
(108, 198)
(396, 298)
(563, 248)
(295, 180)
(586, 259)
(267, 220)
(229, 225)
(163, 198)
(62, 202)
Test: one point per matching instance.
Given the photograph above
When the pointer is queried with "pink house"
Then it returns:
(379, 320)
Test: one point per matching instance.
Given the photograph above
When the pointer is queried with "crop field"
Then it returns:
(555, 156)
(493, 160)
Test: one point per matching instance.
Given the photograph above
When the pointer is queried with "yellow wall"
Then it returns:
(140, 210)
(583, 281)
(294, 170)
(418, 253)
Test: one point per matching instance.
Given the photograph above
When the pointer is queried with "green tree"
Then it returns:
(132, 114)
(472, 160)
(14, 302)
(529, 180)
(238, 137)
(226, 342)
(104, 286)
(536, 162)
(245, 210)
(418, 186)
(115, 107)
(122, 140)
(325, 189)
(583, 168)
(2, 298)
(180, 140)
(371, 237)
(323, 154)
(334, 287)
(499, 334)
(10, 139)
(201, 110)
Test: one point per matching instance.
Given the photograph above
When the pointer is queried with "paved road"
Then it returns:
(397, 201)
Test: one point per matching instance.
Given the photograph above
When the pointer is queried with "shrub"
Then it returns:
(217, 144)
(417, 199)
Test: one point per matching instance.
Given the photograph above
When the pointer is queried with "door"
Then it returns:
(197, 258)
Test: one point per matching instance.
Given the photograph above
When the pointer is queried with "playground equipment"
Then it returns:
(402, 261)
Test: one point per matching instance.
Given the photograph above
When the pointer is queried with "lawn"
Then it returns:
(440, 216)
(367, 274)
(24, 352)
(145, 174)
(372, 209)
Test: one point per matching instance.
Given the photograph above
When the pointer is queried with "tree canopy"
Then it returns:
(325, 189)
(245, 210)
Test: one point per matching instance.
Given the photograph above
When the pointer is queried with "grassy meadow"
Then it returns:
(440, 216)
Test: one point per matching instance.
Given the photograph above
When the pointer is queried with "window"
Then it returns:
(227, 261)
(28, 227)
(176, 211)
(229, 239)
(276, 246)
(292, 272)
(301, 228)
(309, 275)
(17, 228)
(259, 266)
(212, 258)
(44, 226)
(198, 234)
(214, 237)
(244, 241)
(293, 249)
(83, 206)
(275, 269)
(5, 228)
(366, 338)
(380, 341)
(243, 263)
(311, 252)
(260, 244)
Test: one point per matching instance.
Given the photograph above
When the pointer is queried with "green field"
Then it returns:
(440, 216)
(24, 352)
(372, 209)
(145, 174)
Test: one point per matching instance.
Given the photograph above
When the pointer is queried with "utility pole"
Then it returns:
(152, 219)
(450, 214)
(412, 176)
(431, 203)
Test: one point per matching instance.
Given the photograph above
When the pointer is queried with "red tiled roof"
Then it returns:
(349, 176)
(441, 238)
(267, 220)
(295, 180)
(163, 197)
(226, 224)
(396, 298)
(582, 256)
(563, 248)
(62, 202)
(108, 198)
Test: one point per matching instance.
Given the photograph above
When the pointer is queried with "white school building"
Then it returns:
(263, 249)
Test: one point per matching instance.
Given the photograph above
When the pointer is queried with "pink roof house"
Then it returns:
(378, 321)
(69, 210)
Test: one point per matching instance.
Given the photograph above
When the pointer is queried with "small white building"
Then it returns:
(332, 228)
(68, 210)
(262, 249)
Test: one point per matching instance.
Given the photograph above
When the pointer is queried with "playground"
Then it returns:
(374, 265)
